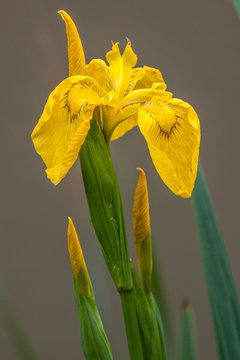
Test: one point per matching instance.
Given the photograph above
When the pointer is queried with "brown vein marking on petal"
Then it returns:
(74, 106)
(136, 74)
(108, 84)
(67, 106)
(168, 133)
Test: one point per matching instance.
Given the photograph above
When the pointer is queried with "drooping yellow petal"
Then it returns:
(76, 57)
(64, 124)
(172, 132)
(78, 264)
(142, 231)
(151, 76)
(97, 69)
(72, 151)
(119, 73)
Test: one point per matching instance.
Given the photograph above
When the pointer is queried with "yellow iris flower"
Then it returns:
(119, 97)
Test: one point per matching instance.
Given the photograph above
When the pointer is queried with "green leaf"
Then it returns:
(236, 4)
(150, 322)
(14, 329)
(187, 345)
(220, 284)
(93, 338)
(160, 293)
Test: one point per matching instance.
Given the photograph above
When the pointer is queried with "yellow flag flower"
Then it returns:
(119, 97)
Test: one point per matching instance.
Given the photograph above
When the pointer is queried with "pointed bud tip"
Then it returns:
(70, 226)
(141, 171)
(74, 249)
(79, 268)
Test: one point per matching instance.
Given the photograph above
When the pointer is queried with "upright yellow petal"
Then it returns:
(129, 60)
(76, 57)
(115, 67)
(78, 264)
(172, 132)
(64, 124)
(97, 69)
(120, 69)
(142, 231)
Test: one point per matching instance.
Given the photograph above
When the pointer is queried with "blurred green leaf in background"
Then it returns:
(218, 275)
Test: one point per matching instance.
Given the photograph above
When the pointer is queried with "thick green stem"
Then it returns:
(132, 326)
(105, 205)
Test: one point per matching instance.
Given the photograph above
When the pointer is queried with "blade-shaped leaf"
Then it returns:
(236, 4)
(93, 338)
(220, 284)
(150, 322)
(160, 292)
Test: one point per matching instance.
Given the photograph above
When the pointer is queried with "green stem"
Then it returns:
(131, 324)
(105, 205)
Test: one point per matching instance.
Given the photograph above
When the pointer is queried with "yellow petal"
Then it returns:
(78, 264)
(144, 95)
(64, 124)
(76, 57)
(97, 69)
(151, 76)
(129, 60)
(115, 69)
(120, 68)
(142, 231)
(141, 218)
(136, 75)
(71, 153)
(172, 132)
(126, 119)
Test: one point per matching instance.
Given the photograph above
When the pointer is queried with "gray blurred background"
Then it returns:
(196, 45)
